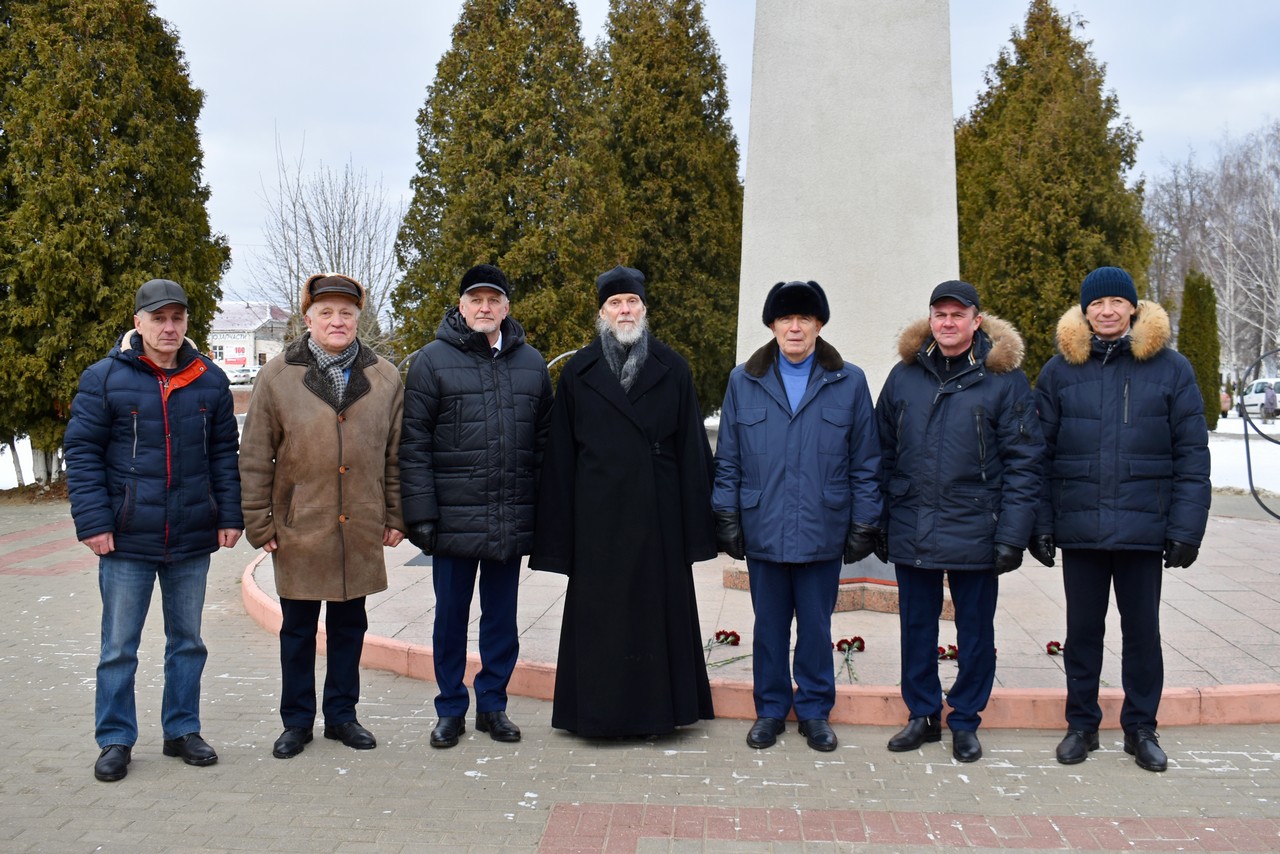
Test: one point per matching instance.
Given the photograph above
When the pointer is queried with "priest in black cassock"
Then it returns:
(624, 509)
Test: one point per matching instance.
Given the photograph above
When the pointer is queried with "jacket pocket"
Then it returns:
(289, 507)
(124, 513)
(1071, 469)
(752, 424)
(1144, 469)
(899, 487)
(837, 498)
(833, 433)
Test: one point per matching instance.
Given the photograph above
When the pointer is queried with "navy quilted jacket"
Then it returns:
(1128, 447)
(961, 457)
(153, 459)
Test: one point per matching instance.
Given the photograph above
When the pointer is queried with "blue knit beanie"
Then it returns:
(1107, 282)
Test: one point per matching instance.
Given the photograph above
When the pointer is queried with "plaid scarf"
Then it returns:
(335, 366)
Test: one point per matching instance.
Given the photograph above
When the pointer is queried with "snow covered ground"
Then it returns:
(1227, 445)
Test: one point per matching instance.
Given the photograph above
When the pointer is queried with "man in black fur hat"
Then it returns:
(796, 491)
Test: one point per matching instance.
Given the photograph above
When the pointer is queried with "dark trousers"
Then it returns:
(454, 579)
(345, 624)
(806, 591)
(1088, 576)
(973, 593)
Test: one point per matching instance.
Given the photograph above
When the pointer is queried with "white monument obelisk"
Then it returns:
(850, 168)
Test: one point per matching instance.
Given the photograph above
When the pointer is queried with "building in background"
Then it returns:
(245, 334)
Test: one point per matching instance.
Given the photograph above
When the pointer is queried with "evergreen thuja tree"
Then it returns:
(499, 177)
(101, 177)
(666, 148)
(1198, 340)
(1041, 161)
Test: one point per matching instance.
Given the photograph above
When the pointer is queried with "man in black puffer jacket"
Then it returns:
(477, 407)
(1127, 479)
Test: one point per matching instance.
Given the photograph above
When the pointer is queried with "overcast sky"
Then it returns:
(340, 81)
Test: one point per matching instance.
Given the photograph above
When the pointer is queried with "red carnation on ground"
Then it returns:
(1053, 648)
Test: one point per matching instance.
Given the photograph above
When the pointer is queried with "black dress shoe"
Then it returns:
(1143, 745)
(765, 731)
(498, 725)
(113, 762)
(965, 746)
(291, 741)
(447, 731)
(352, 735)
(1076, 745)
(819, 734)
(193, 749)
(918, 731)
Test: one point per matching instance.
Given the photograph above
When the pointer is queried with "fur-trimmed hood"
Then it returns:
(763, 359)
(1004, 353)
(1149, 334)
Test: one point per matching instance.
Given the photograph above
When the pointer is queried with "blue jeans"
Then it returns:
(126, 585)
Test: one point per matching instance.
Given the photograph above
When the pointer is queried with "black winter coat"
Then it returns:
(472, 440)
(624, 508)
(961, 457)
(152, 459)
(1128, 448)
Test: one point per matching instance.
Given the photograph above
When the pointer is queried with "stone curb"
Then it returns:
(870, 705)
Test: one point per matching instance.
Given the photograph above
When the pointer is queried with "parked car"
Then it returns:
(253, 373)
(238, 375)
(1251, 394)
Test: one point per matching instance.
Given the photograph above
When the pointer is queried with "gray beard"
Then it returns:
(625, 337)
(625, 358)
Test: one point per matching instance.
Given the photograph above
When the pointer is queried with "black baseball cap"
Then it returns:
(158, 293)
(962, 292)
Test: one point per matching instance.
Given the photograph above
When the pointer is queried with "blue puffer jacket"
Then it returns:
(798, 480)
(961, 457)
(151, 460)
(474, 429)
(1128, 447)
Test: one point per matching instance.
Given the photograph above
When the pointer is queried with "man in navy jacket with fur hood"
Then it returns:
(962, 452)
(1127, 480)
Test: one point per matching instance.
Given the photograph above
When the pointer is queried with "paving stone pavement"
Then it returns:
(701, 790)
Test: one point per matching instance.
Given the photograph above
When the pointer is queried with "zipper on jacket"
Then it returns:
(135, 434)
(902, 417)
(1111, 346)
(982, 444)
(1126, 400)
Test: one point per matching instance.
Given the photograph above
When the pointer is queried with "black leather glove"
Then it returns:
(1043, 548)
(860, 542)
(882, 545)
(1179, 555)
(729, 534)
(423, 535)
(1008, 558)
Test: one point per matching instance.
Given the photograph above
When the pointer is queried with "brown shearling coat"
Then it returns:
(323, 478)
